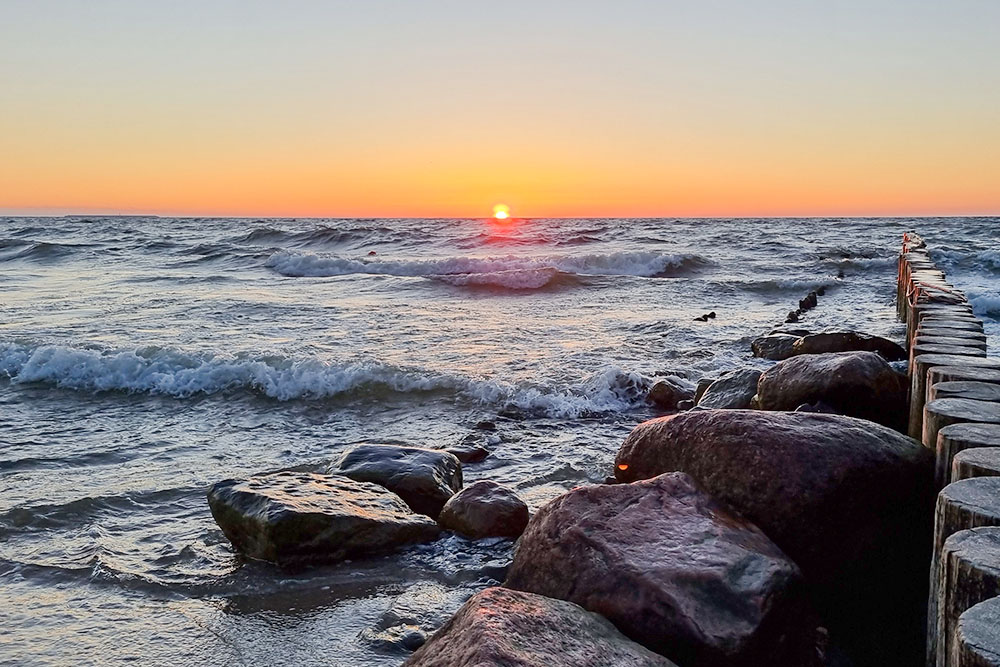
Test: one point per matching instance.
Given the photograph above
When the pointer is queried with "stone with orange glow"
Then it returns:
(674, 570)
(848, 500)
(499, 626)
(295, 519)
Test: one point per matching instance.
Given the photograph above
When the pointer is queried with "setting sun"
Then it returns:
(501, 211)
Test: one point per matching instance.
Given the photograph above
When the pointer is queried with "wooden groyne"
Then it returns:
(954, 406)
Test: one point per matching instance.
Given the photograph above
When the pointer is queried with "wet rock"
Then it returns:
(486, 425)
(503, 627)
(667, 394)
(685, 405)
(703, 385)
(645, 555)
(774, 347)
(849, 341)
(711, 315)
(856, 384)
(468, 450)
(733, 390)
(793, 316)
(424, 478)
(485, 509)
(848, 500)
(797, 333)
(296, 519)
(809, 302)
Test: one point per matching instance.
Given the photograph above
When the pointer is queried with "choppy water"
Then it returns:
(142, 359)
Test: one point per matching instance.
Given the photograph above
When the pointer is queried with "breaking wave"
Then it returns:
(164, 371)
(647, 264)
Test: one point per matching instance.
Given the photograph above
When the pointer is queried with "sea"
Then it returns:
(142, 359)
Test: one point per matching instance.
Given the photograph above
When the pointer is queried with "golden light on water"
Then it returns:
(501, 211)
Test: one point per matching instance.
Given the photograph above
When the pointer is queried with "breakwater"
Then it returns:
(954, 410)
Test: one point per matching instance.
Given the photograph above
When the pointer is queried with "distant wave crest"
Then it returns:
(164, 371)
(648, 264)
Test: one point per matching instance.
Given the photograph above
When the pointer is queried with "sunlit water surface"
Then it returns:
(143, 359)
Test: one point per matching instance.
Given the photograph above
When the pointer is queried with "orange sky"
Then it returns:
(445, 110)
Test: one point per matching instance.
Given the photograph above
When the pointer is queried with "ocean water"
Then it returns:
(143, 359)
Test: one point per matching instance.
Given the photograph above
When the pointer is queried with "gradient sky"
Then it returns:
(425, 108)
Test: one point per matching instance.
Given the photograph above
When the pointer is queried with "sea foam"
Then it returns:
(174, 373)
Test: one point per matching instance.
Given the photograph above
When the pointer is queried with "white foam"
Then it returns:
(174, 373)
(648, 263)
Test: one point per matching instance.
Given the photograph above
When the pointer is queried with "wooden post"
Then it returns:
(968, 573)
(977, 636)
(976, 462)
(918, 381)
(946, 411)
(970, 503)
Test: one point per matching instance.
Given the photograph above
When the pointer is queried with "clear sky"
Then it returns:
(432, 108)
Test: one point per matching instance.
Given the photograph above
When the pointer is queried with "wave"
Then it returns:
(321, 236)
(14, 249)
(982, 261)
(986, 305)
(526, 279)
(164, 371)
(643, 263)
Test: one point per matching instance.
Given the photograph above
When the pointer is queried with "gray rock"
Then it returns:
(848, 341)
(485, 509)
(849, 501)
(733, 390)
(667, 394)
(856, 384)
(424, 478)
(673, 569)
(775, 347)
(296, 518)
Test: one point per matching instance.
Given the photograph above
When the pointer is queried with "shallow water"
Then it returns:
(142, 359)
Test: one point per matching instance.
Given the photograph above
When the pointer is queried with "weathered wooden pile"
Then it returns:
(955, 413)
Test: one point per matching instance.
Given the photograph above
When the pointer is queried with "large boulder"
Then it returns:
(849, 501)
(485, 509)
(504, 627)
(734, 390)
(673, 569)
(295, 519)
(856, 384)
(848, 341)
(424, 478)
(774, 346)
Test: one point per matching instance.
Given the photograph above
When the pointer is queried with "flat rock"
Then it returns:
(848, 341)
(298, 518)
(673, 569)
(424, 478)
(850, 501)
(512, 628)
(485, 509)
(856, 384)
(733, 390)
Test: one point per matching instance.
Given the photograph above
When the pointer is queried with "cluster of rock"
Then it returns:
(955, 413)
(784, 516)
(374, 499)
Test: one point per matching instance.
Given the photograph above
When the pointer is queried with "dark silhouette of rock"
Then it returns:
(486, 425)
(774, 347)
(819, 407)
(848, 500)
(424, 478)
(667, 394)
(485, 509)
(856, 384)
(512, 628)
(673, 569)
(733, 390)
(711, 315)
(793, 316)
(298, 518)
(685, 405)
(809, 302)
(848, 341)
(703, 385)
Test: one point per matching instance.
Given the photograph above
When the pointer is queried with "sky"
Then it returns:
(424, 108)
